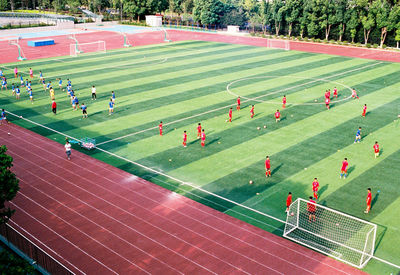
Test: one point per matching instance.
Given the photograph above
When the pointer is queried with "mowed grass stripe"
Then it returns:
(254, 150)
(241, 123)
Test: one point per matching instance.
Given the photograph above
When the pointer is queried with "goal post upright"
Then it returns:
(331, 232)
(15, 42)
(90, 47)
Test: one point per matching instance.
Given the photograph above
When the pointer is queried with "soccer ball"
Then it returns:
(9, 134)
(258, 128)
(265, 126)
(170, 159)
(251, 182)
(291, 214)
(226, 120)
(315, 100)
(20, 116)
(257, 194)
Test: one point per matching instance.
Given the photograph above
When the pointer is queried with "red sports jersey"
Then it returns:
(160, 127)
(327, 100)
(365, 109)
(199, 129)
(252, 110)
(184, 137)
(289, 200)
(335, 91)
(311, 207)
(376, 148)
(344, 165)
(284, 100)
(315, 186)
(238, 101)
(267, 164)
(277, 115)
(203, 136)
(230, 113)
(369, 198)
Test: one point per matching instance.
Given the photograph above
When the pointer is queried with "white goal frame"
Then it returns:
(278, 44)
(78, 48)
(298, 229)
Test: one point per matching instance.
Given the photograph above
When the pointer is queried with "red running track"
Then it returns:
(9, 53)
(99, 219)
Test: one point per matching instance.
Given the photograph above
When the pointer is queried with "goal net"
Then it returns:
(333, 233)
(278, 44)
(78, 48)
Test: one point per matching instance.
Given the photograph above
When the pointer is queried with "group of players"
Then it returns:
(16, 91)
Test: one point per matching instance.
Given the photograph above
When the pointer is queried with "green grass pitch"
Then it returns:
(189, 82)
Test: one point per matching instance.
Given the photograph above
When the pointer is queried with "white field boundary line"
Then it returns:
(246, 100)
(269, 240)
(26, 232)
(76, 228)
(61, 190)
(62, 237)
(129, 227)
(188, 183)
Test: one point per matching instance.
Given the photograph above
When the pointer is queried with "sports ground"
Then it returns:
(184, 83)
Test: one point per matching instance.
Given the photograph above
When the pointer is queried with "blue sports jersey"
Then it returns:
(3, 114)
(4, 82)
(48, 85)
(113, 95)
(60, 82)
(13, 87)
(83, 107)
(22, 79)
(358, 132)
(111, 104)
(71, 93)
(41, 74)
(76, 100)
(30, 93)
(1, 72)
(17, 90)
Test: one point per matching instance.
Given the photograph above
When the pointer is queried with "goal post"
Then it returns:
(15, 42)
(336, 234)
(78, 48)
(278, 44)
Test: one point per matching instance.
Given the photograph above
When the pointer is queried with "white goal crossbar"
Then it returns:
(278, 44)
(331, 232)
(78, 48)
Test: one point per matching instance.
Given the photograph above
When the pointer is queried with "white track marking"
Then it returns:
(22, 210)
(292, 250)
(44, 245)
(76, 228)
(100, 198)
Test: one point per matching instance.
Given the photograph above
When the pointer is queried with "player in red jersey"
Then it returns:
(343, 170)
(160, 127)
(315, 186)
(311, 208)
(252, 111)
(376, 149)
(203, 138)
(288, 202)
(277, 116)
(327, 101)
(199, 130)
(267, 167)
(284, 102)
(238, 103)
(354, 94)
(335, 94)
(327, 95)
(230, 115)
(369, 200)
(184, 138)
(364, 110)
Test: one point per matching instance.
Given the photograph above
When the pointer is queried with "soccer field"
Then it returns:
(185, 83)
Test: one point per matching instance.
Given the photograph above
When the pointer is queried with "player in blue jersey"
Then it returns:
(358, 136)
(4, 83)
(1, 73)
(113, 97)
(22, 80)
(60, 84)
(69, 82)
(48, 86)
(75, 102)
(17, 92)
(30, 92)
(84, 110)
(3, 117)
(41, 78)
(44, 83)
(13, 89)
(110, 107)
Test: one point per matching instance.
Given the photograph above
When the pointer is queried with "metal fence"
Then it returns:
(47, 16)
(37, 257)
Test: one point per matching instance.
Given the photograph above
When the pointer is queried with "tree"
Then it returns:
(394, 18)
(8, 185)
(265, 15)
(352, 23)
(292, 12)
(134, 8)
(383, 10)
(328, 16)
(73, 5)
(4, 5)
(187, 6)
(234, 17)
(277, 13)
(343, 15)
(208, 12)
